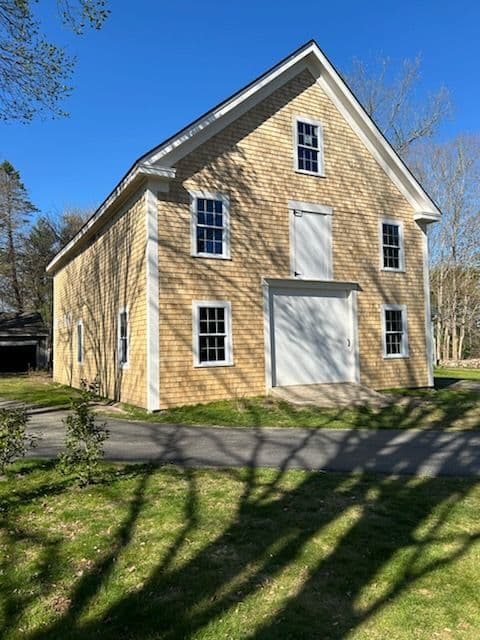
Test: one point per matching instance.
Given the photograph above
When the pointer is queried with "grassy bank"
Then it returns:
(35, 389)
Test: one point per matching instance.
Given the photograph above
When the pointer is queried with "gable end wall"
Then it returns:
(251, 161)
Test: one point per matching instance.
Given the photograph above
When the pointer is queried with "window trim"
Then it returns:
(321, 166)
(80, 352)
(405, 345)
(209, 195)
(126, 364)
(225, 304)
(399, 224)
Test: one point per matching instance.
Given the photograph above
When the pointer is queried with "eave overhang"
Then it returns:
(138, 175)
(427, 217)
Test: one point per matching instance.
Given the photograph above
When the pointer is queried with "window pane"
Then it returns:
(79, 343)
(123, 324)
(210, 221)
(123, 338)
(391, 257)
(394, 332)
(307, 146)
(391, 234)
(211, 338)
(391, 245)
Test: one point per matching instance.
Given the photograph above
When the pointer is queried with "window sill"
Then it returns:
(210, 255)
(398, 356)
(209, 365)
(310, 173)
(391, 270)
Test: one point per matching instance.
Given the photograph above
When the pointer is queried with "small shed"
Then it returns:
(24, 342)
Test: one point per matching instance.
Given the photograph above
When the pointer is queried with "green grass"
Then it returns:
(198, 554)
(458, 374)
(441, 408)
(35, 389)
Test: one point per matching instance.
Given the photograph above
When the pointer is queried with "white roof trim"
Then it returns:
(317, 285)
(312, 57)
(426, 216)
(138, 171)
(309, 56)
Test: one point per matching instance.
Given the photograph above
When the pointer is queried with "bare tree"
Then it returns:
(43, 240)
(34, 72)
(393, 103)
(451, 172)
(69, 222)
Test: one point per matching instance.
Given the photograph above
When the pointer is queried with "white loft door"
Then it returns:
(312, 245)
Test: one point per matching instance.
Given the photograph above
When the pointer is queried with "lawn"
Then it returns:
(168, 553)
(35, 389)
(457, 374)
(444, 408)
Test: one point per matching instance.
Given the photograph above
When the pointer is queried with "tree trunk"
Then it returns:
(12, 259)
(446, 343)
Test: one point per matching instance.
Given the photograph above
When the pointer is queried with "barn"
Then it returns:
(24, 342)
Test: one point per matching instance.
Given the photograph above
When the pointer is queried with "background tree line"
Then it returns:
(28, 244)
(450, 172)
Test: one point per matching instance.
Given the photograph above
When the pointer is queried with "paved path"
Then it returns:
(395, 451)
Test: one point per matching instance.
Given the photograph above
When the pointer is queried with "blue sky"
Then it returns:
(157, 65)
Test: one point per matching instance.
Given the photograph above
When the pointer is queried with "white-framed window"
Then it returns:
(210, 215)
(80, 342)
(395, 331)
(212, 333)
(123, 338)
(308, 145)
(392, 245)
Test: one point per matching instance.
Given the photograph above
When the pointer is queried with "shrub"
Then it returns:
(85, 437)
(14, 439)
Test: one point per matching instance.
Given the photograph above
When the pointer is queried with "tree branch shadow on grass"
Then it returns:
(272, 526)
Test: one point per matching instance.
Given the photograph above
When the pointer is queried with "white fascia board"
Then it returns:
(218, 119)
(315, 285)
(239, 103)
(310, 57)
(140, 170)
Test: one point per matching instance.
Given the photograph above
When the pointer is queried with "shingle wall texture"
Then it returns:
(251, 161)
(106, 276)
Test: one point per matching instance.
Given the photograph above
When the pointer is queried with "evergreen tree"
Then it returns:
(15, 212)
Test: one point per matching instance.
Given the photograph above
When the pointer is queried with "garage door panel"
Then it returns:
(312, 338)
(17, 359)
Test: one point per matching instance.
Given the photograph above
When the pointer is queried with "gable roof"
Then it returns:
(22, 324)
(158, 162)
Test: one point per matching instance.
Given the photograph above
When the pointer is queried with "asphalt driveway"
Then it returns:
(392, 451)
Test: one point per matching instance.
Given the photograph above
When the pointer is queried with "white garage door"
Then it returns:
(312, 337)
